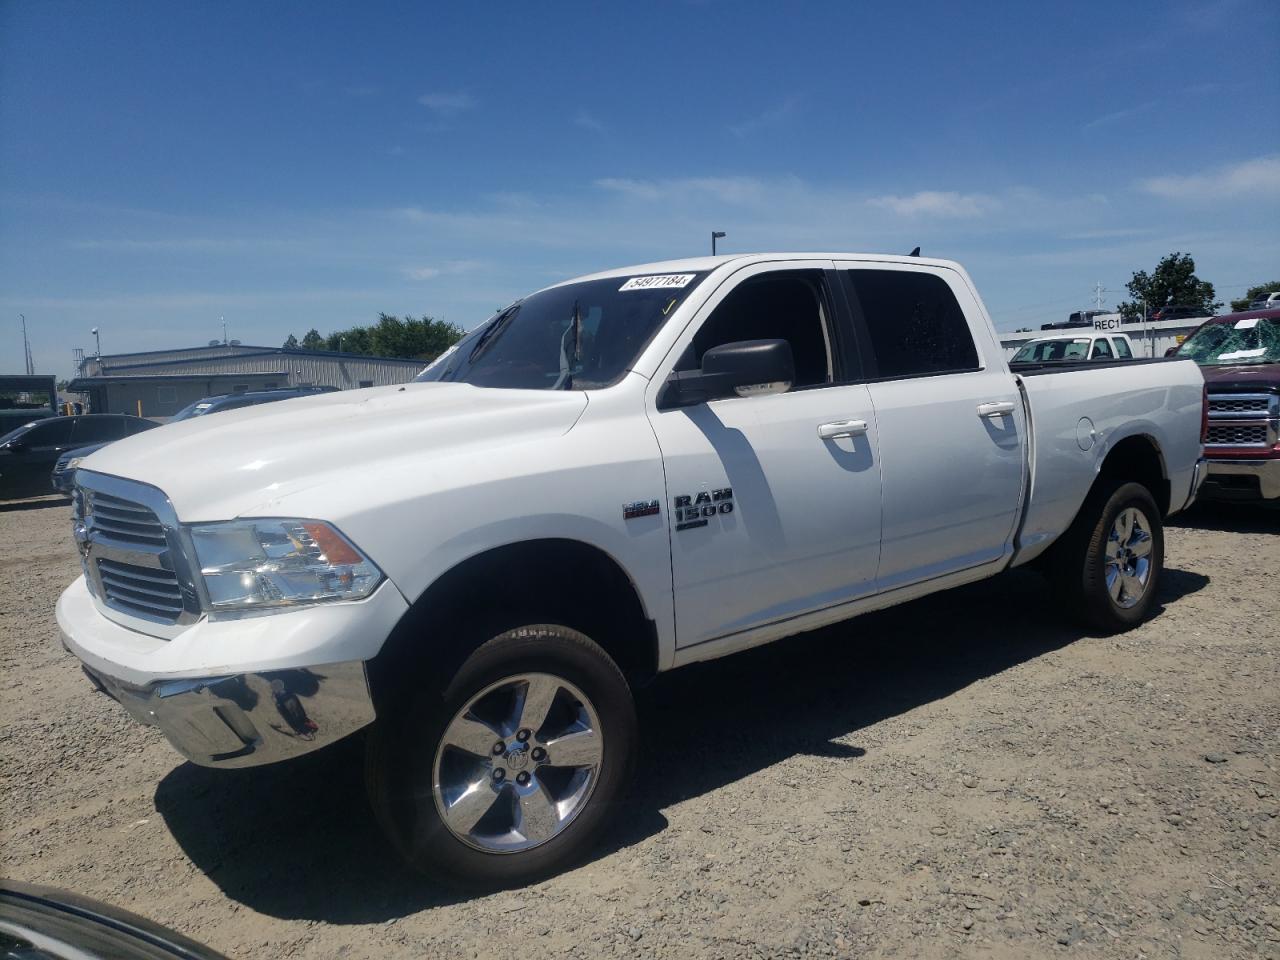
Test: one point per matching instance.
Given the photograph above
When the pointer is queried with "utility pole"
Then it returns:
(26, 347)
(1098, 291)
(715, 235)
(224, 330)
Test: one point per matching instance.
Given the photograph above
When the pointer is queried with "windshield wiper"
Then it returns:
(487, 337)
(572, 361)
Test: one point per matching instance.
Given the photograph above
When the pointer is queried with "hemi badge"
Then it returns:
(640, 508)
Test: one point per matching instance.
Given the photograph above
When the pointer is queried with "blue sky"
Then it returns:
(290, 165)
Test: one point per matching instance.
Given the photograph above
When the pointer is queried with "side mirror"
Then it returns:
(744, 368)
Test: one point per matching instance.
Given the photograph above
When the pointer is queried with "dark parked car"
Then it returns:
(41, 923)
(234, 401)
(28, 454)
(1178, 312)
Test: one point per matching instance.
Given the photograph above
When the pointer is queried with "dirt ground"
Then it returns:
(962, 776)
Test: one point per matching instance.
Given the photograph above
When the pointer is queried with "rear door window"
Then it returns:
(913, 322)
(98, 429)
(53, 432)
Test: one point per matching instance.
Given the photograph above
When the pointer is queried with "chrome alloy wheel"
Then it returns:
(1128, 562)
(518, 763)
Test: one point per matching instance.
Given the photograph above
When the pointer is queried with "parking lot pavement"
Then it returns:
(962, 775)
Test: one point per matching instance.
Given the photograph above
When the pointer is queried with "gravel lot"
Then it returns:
(964, 775)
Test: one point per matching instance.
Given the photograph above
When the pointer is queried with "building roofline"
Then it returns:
(252, 352)
(182, 377)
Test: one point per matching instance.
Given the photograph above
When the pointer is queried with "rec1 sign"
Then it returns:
(1109, 322)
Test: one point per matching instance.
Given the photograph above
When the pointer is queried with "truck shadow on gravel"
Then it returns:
(1229, 518)
(297, 840)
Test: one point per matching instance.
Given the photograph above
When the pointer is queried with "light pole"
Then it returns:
(26, 347)
(715, 235)
(98, 340)
(224, 330)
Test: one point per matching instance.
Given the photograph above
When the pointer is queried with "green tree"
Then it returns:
(1254, 293)
(1173, 282)
(313, 340)
(422, 338)
(291, 343)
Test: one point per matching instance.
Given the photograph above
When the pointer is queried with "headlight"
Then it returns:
(249, 564)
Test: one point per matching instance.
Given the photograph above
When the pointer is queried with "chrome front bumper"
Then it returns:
(252, 718)
(1267, 472)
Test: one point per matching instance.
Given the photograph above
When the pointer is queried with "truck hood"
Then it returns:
(1258, 376)
(224, 465)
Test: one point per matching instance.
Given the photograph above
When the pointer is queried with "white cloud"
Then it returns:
(1259, 177)
(772, 117)
(732, 190)
(447, 104)
(1118, 115)
(448, 268)
(588, 122)
(937, 203)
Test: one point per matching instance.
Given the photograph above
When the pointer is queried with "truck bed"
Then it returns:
(1079, 411)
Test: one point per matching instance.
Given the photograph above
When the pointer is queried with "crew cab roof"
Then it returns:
(705, 264)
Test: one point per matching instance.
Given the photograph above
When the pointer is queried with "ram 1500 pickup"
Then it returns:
(610, 478)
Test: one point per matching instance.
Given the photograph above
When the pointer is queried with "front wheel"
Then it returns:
(1107, 567)
(510, 773)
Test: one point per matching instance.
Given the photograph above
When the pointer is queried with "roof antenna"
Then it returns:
(914, 253)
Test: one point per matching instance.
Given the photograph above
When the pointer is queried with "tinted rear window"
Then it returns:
(915, 325)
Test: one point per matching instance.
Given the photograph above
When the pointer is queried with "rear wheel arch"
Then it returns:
(536, 581)
(1138, 459)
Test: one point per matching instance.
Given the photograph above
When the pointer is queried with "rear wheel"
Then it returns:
(1106, 568)
(509, 773)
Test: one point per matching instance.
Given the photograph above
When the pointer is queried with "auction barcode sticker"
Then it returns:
(663, 281)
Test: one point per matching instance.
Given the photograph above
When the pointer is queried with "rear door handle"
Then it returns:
(995, 408)
(842, 428)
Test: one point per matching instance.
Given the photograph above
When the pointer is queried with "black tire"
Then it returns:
(1078, 563)
(402, 752)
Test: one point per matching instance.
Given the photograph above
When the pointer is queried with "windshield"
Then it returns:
(1249, 340)
(1040, 350)
(579, 336)
(191, 410)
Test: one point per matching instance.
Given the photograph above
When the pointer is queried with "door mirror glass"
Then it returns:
(744, 368)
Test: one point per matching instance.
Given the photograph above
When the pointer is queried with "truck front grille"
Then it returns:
(119, 519)
(1242, 404)
(1237, 435)
(134, 551)
(146, 591)
(1243, 419)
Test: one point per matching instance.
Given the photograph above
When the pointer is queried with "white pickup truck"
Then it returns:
(613, 477)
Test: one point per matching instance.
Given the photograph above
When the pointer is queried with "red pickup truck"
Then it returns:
(1239, 355)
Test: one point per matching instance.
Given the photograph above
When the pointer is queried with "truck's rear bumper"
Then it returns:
(1243, 480)
(250, 718)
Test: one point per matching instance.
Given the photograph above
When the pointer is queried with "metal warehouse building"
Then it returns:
(159, 383)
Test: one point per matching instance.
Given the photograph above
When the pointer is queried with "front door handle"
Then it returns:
(995, 408)
(842, 428)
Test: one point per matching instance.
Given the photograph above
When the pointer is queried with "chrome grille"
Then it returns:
(119, 519)
(1245, 404)
(147, 591)
(1237, 435)
(1244, 419)
(134, 553)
